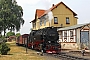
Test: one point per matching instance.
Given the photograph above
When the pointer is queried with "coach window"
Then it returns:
(67, 20)
(55, 20)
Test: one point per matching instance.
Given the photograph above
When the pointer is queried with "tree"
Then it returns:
(10, 34)
(4, 49)
(10, 15)
(18, 34)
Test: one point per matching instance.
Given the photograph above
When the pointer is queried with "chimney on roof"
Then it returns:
(52, 5)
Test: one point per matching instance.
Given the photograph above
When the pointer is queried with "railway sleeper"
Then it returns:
(82, 59)
(68, 57)
(55, 55)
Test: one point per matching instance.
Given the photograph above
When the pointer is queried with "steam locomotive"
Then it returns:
(45, 39)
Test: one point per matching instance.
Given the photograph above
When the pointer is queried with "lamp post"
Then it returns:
(27, 44)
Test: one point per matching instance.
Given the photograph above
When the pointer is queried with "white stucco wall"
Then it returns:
(69, 46)
(75, 44)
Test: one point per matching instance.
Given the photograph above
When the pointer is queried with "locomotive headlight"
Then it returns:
(49, 41)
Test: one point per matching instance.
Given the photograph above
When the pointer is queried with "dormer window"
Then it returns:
(67, 20)
(55, 20)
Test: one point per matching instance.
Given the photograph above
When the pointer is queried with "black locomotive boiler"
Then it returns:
(45, 39)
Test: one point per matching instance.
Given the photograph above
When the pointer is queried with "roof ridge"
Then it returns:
(55, 7)
(50, 9)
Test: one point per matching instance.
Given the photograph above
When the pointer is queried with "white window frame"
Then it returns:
(67, 20)
(55, 20)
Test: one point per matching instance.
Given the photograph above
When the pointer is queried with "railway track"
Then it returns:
(64, 56)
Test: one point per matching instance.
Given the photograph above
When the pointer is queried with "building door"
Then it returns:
(84, 39)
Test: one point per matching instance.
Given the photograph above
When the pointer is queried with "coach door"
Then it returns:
(84, 38)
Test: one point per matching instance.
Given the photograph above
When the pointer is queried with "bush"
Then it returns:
(3, 39)
(4, 49)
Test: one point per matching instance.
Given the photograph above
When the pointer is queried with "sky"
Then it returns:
(80, 7)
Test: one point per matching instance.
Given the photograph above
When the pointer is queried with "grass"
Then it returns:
(19, 53)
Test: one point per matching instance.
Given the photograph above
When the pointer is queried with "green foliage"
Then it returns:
(10, 15)
(10, 34)
(18, 34)
(4, 49)
(3, 39)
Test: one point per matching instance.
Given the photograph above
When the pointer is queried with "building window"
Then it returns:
(60, 35)
(40, 22)
(67, 20)
(65, 34)
(55, 20)
(44, 22)
(34, 24)
(71, 33)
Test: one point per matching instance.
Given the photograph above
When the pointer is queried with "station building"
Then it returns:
(59, 15)
(75, 37)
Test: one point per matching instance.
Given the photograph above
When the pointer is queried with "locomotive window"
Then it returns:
(55, 20)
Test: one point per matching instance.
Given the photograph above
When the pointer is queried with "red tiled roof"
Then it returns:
(41, 13)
